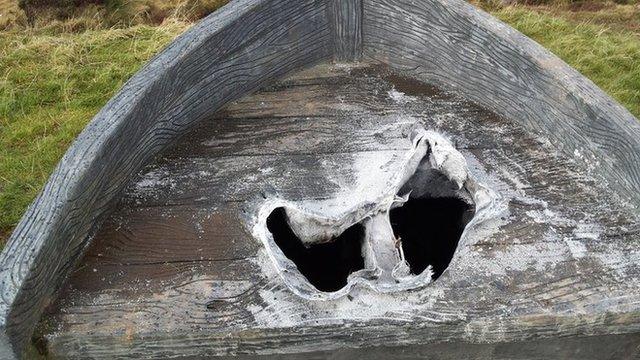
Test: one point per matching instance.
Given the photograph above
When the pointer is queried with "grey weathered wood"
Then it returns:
(175, 271)
(250, 44)
(347, 25)
(240, 48)
(458, 47)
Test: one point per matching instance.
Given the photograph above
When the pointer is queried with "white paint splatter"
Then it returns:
(400, 97)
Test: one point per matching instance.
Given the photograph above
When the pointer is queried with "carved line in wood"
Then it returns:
(346, 18)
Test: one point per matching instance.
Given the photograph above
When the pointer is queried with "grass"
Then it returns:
(10, 13)
(609, 56)
(625, 17)
(50, 87)
(56, 73)
(80, 15)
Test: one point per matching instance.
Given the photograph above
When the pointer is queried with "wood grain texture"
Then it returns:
(458, 47)
(175, 271)
(240, 48)
(346, 23)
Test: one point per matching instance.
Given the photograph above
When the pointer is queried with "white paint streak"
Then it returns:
(400, 97)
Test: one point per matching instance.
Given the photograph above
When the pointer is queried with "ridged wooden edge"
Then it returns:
(454, 45)
(242, 47)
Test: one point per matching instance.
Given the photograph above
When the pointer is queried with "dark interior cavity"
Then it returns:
(328, 265)
(430, 229)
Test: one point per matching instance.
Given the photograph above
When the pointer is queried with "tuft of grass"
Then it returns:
(50, 87)
(81, 15)
(609, 57)
(11, 14)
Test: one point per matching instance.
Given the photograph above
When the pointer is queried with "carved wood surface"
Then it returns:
(347, 26)
(244, 46)
(175, 271)
(458, 47)
(251, 43)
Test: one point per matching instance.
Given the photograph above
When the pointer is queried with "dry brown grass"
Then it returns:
(622, 15)
(94, 15)
(607, 13)
(11, 14)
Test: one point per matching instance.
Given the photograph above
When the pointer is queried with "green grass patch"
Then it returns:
(609, 57)
(50, 87)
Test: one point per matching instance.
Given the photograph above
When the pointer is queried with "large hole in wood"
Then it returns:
(431, 222)
(326, 265)
(430, 229)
